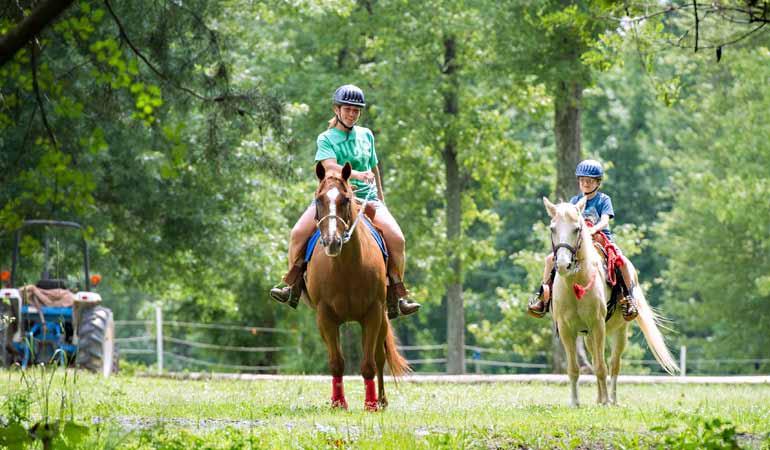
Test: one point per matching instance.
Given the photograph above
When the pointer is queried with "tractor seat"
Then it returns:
(52, 284)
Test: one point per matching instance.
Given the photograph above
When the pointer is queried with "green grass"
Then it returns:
(135, 413)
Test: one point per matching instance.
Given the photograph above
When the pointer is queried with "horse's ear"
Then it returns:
(320, 171)
(550, 207)
(346, 171)
(581, 204)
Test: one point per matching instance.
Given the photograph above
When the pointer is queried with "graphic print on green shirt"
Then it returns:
(356, 147)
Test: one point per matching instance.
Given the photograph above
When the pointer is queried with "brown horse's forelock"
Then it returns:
(341, 182)
(343, 186)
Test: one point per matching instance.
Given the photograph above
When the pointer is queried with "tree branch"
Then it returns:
(161, 75)
(38, 97)
(697, 24)
(43, 14)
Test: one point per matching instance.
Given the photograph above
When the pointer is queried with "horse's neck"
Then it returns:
(587, 256)
(352, 251)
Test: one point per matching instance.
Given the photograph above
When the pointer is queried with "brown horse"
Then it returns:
(346, 281)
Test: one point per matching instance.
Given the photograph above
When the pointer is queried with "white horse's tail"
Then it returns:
(648, 321)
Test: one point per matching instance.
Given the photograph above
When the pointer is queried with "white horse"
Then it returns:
(580, 274)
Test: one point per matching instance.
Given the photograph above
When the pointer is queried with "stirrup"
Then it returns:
(407, 306)
(398, 301)
(289, 295)
(534, 301)
(629, 309)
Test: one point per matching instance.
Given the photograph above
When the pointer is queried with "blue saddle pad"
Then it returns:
(311, 243)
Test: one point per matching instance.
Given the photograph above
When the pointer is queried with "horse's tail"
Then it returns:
(397, 363)
(648, 321)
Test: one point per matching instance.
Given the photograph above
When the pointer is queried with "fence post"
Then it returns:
(159, 336)
(476, 358)
(683, 360)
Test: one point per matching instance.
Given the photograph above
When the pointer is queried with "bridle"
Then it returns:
(348, 229)
(572, 249)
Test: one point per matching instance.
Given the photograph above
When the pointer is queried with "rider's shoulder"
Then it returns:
(604, 197)
(332, 136)
(363, 132)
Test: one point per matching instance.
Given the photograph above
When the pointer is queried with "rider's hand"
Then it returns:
(366, 177)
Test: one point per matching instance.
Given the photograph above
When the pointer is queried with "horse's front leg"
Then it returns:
(330, 332)
(370, 337)
(597, 338)
(620, 339)
(568, 341)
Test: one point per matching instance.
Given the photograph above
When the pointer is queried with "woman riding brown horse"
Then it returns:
(346, 281)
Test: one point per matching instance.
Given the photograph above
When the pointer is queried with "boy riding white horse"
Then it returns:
(598, 212)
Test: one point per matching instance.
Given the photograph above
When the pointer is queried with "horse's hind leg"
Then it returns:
(370, 328)
(568, 340)
(330, 332)
(619, 341)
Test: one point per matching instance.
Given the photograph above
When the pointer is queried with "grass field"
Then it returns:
(149, 413)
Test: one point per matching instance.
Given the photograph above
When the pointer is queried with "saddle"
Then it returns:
(611, 263)
(311, 243)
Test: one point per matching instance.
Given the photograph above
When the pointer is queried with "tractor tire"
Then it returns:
(97, 351)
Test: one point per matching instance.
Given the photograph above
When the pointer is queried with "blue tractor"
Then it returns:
(53, 314)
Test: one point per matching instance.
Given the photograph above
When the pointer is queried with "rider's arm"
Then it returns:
(378, 178)
(331, 164)
(604, 222)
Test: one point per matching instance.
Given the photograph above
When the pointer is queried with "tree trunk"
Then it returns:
(567, 104)
(454, 189)
(40, 17)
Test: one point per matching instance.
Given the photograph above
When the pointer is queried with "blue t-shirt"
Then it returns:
(595, 208)
(355, 147)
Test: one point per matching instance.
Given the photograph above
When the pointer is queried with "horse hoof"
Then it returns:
(340, 403)
(382, 403)
(371, 406)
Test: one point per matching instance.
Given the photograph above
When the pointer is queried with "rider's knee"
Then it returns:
(549, 258)
(396, 241)
(296, 233)
(300, 232)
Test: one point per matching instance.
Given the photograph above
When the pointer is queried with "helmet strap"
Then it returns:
(595, 189)
(341, 122)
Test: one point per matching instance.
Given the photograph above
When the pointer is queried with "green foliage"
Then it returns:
(714, 274)
(699, 433)
(28, 415)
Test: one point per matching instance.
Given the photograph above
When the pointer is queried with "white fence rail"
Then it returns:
(424, 358)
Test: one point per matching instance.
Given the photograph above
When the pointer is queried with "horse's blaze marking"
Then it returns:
(332, 196)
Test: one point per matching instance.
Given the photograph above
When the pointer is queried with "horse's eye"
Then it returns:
(345, 201)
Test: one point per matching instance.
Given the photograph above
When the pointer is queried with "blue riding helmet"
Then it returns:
(589, 168)
(349, 95)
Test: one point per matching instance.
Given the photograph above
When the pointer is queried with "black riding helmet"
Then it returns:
(349, 95)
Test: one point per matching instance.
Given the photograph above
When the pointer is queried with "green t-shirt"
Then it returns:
(355, 147)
